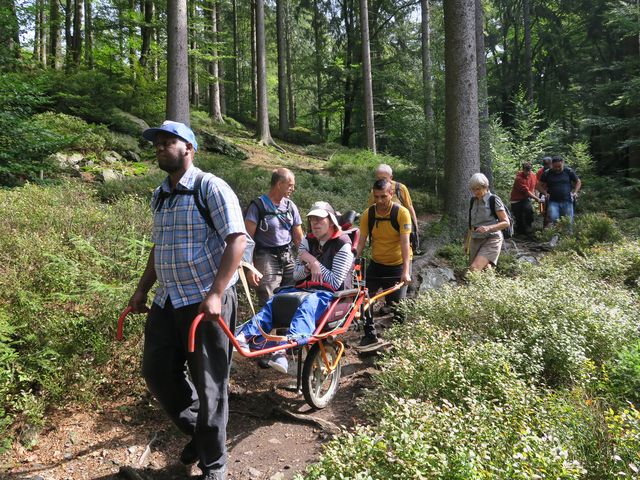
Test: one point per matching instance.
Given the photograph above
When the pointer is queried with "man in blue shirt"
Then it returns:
(560, 185)
(194, 260)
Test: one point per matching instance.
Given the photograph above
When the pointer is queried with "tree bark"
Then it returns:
(254, 72)
(221, 67)
(236, 59)
(55, 39)
(349, 21)
(263, 132)
(37, 27)
(291, 99)
(486, 162)
(214, 83)
(147, 32)
(194, 84)
(427, 83)
(68, 37)
(526, 17)
(88, 34)
(177, 62)
(77, 32)
(283, 122)
(366, 77)
(318, 52)
(461, 109)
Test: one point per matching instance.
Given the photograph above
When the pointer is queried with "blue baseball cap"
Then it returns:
(175, 128)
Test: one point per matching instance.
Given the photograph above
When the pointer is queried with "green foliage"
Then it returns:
(456, 256)
(624, 427)
(624, 374)
(529, 139)
(591, 229)
(417, 439)
(69, 265)
(84, 137)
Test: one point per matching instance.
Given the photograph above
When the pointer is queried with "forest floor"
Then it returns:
(265, 441)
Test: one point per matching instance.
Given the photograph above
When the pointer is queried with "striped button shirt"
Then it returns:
(187, 251)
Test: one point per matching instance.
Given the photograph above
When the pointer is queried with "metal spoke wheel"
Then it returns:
(319, 385)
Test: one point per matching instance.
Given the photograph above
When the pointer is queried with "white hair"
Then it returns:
(478, 180)
(384, 168)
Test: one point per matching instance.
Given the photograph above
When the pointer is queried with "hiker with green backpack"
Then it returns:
(488, 217)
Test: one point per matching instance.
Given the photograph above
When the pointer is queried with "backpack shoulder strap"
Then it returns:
(470, 208)
(201, 200)
(371, 219)
(492, 205)
(399, 193)
(393, 217)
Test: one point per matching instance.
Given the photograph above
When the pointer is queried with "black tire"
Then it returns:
(319, 386)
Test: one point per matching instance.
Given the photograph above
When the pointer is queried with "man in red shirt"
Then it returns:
(524, 189)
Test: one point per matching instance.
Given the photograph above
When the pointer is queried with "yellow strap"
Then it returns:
(467, 242)
(245, 284)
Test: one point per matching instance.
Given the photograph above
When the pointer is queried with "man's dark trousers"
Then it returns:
(523, 214)
(199, 407)
(381, 276)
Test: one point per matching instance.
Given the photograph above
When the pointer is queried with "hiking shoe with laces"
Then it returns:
(279, 363)
(218, 475)
(189, 454)
(369, 343)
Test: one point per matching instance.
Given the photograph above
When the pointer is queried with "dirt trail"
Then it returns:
(84, 443)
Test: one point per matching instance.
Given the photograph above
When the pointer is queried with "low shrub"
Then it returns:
(623, 373)
(85, 137)
(557, 320)
(456, 256)
(416, 439)
(69, 265)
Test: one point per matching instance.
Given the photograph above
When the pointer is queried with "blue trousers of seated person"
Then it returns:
(304, 320)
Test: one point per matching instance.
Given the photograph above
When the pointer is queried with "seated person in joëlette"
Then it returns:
(325, 259)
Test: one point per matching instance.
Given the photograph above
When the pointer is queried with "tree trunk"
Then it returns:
(347, 13)
(43, 33)
(9, 35)
(263, 132)
(68, 38)
(486, 162)
(155, 71)
(318, 51)
(283, 122)
(427, 84)
(55, 39)
(526, 16)
(77, 32)
(88, 33)
(214, 82)
(177, 62)
(221, 68)
(194, 86)
(37, 27)
(147, 32)
(461, 109)
(254, 73)
(291, 99)
(236, 59)
(366, 77)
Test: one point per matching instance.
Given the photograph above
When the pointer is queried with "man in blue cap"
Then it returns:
(199, 239)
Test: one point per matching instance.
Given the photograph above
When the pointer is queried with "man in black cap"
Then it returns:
(199, 239)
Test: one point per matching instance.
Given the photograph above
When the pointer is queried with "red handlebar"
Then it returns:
(123, 315)
(192, 331)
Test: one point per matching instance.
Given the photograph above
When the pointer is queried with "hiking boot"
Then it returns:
(369, 343)
(189, 454)
(279, 362)
(217, 475)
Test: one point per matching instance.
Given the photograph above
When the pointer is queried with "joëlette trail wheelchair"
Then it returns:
(319, 357)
